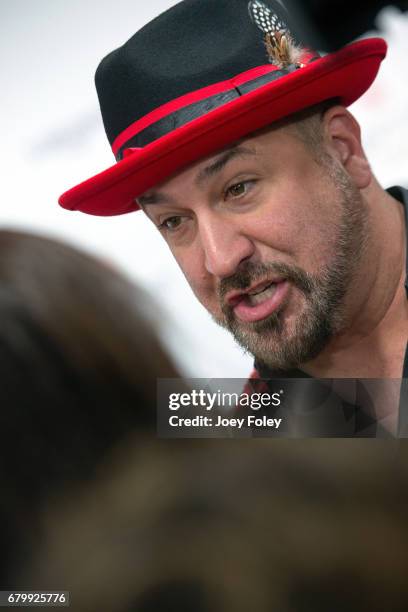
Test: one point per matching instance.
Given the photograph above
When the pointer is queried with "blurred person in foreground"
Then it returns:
(237, 144)
(312, 527)
(79, 361)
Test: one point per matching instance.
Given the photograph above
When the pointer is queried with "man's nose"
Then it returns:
(224, 245)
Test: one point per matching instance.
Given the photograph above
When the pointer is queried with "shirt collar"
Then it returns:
(401, 194)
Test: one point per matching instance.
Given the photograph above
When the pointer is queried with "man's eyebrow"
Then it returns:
(153, 198)
(204, 174)
(220, 163)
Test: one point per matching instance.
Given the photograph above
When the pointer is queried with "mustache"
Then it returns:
(250, 272)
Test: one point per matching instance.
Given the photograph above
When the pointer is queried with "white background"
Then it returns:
(53, 138)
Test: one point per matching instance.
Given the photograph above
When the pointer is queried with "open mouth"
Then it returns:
(257, 297)
(260, 301)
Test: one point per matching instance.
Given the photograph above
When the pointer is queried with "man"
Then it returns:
(237, 144)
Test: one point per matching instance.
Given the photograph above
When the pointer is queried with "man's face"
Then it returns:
(269, 239)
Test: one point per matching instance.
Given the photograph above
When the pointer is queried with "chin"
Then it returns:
(284, 344)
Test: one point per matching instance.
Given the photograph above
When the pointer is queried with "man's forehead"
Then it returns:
(202, 170)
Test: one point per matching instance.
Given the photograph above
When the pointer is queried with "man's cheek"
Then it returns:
(207, 295)
(201, 282)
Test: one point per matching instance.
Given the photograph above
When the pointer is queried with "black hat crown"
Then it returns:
(192, 45)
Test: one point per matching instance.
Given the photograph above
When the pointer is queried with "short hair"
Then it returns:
(308, 124)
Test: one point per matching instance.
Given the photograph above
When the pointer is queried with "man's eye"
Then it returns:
(238, 190)
(171, 223)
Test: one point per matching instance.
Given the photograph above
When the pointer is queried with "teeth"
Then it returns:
(263, 295)
(260, 290)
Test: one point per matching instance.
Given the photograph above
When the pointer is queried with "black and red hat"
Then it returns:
(200, 76)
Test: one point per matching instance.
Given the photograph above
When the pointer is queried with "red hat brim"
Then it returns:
(345, 75)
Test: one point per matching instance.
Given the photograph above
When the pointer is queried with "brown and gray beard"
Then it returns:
(323, 316)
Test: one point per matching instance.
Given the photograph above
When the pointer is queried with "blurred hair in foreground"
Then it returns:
(79, 361)
(234, 526)
(93, 504)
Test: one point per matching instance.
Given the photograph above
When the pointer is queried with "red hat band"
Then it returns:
(184, 109)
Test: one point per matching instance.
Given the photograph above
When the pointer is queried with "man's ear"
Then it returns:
(343, 138)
